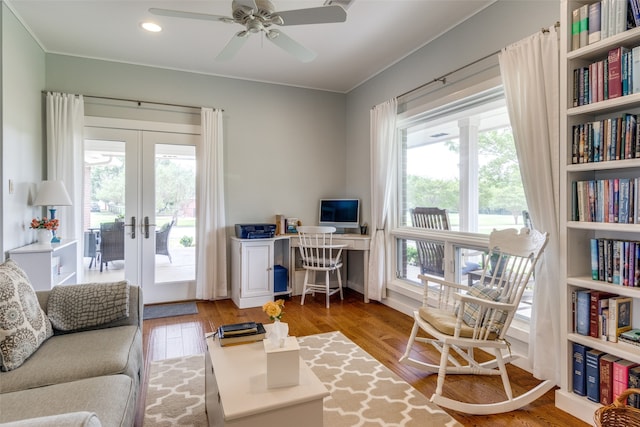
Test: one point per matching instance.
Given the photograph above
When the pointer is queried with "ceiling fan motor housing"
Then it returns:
(243, 15)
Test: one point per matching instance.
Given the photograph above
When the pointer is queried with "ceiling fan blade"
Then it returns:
(233, 46)
(251, 4)
(291, 46)
(313, 15)
(189, 15)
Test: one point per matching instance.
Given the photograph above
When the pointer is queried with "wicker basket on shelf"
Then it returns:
(618, 414)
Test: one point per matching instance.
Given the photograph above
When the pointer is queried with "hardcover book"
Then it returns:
(598, 301)
(246, 337)
(583, 300)
(593, 374)
(621, 376)
(579, 366)
(619, 316)
(634, 382)
(239, 328)
(606, 378)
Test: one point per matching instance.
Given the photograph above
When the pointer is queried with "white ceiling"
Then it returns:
(377, 34)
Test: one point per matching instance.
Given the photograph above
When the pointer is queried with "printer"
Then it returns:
(255, 231)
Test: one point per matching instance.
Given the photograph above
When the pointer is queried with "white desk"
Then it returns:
(236, 392)
(353, 242)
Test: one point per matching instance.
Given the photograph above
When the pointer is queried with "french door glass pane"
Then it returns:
(175, 206)
(104, 212)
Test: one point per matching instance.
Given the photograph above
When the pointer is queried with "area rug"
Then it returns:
(363, 391)
(169, 310)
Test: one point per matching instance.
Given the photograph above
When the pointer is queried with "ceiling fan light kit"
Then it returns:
(257, 16)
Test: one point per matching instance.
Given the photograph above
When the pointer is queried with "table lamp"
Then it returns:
(52, 193)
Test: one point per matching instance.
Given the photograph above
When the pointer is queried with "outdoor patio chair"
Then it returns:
(430, 254)
(162, 239)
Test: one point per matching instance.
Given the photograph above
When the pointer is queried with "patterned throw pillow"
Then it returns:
(85, 306)
(472, 311)
(23, 324)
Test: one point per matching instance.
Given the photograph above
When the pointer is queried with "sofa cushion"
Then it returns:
(23, 324)
(88, 305)
(72, 419)
(111, 397)
(79, 355)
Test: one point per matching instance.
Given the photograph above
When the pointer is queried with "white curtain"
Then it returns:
(65, 160)
(211, 240)
(531, 74)
(383, 169)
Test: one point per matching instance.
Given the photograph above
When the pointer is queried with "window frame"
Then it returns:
(487, 91)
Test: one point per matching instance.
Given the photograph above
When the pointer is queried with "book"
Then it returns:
(621, 376)
(606, 378)
(619, 316)
(631, 335)
(579, 366)
(258, 335)
(584, 25)
(615, 72)
(238, 329)
(634, 382)
(594, 23)
(598, 301)
(592, 372)
(594, 259)
(575, 29)
(583, 300)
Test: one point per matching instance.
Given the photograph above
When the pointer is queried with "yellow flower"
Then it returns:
(274, 309)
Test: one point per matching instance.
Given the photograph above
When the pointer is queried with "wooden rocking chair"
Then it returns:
(462, 318)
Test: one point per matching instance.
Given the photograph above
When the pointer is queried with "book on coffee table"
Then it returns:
(239, 328)
(246, 337)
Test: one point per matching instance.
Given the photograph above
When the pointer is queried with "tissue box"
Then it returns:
(283, 363)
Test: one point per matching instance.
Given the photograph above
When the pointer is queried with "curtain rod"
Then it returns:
(139, 102)
(443, 78)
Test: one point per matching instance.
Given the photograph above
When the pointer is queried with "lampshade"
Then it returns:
(52, 193)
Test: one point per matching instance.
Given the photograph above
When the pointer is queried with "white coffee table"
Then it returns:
(237, 394)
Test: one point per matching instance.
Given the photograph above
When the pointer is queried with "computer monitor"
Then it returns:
(340, 213)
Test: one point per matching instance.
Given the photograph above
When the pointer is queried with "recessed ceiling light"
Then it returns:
(152, 27)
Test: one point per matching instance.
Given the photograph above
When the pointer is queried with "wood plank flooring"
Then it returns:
(378, 329)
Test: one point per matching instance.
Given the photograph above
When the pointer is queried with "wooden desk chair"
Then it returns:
(462, 318)
(319, 253)
(431, 254)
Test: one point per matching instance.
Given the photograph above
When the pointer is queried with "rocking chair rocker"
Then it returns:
(462, 318)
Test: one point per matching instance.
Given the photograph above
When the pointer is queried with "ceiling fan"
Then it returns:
(258, 16)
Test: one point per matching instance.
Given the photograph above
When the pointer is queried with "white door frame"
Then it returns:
(143, 205)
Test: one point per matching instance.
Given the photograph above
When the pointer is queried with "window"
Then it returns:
(459, 156)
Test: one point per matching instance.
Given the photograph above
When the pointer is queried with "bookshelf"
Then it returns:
(575, 235)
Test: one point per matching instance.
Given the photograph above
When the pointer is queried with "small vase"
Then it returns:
(43, 236)
(279, 332)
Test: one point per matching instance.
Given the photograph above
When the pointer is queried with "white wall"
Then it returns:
(497, 26)
(23, 64)
(284, 146)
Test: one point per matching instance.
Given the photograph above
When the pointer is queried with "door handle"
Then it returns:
(146, 227)
(133, 227)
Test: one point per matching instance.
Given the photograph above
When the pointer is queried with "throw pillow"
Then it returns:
(85, 306)
(23, 324)
(471, 312)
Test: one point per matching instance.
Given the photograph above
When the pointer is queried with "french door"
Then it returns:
(140, 204)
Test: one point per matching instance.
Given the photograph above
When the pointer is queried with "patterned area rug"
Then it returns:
(363, 391)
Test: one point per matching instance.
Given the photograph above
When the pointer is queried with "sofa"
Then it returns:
(81, 365)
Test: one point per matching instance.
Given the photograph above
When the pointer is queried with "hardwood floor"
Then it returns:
(378, 329)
